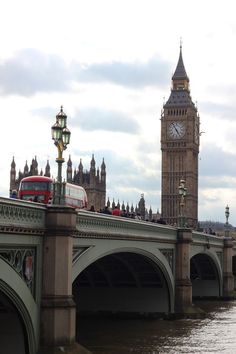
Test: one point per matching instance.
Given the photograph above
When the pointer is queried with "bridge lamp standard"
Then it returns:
(61, 137)
(227, 213)
(182, 193)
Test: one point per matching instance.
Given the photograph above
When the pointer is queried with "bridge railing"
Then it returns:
(96, 225)
(207, 239)
(21, 214)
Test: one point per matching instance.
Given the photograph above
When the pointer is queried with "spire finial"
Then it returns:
(180, 43)
(180, 73)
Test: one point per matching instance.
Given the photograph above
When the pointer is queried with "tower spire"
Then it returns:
(180, 72)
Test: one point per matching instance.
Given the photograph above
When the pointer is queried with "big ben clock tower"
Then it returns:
(180, 148)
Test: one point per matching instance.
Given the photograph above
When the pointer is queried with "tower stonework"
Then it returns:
(180, 149)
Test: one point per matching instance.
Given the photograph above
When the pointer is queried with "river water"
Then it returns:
(214, 334)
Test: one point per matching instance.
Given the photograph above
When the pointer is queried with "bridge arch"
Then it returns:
(155, 264)
(15, 296)
(206, 274)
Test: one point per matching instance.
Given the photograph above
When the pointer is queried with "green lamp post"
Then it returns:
(61, 137)
(227, 221)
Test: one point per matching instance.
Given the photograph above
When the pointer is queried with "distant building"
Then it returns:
(93, 181)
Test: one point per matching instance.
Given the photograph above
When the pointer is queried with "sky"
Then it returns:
(110, 63)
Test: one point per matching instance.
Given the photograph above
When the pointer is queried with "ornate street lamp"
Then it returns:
(227, 214)
(227, 221)
(182, 193)
(61, 137)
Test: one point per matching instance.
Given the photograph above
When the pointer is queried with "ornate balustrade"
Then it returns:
(200, 238)
(20, 216)
(96, 225)
(24, 219)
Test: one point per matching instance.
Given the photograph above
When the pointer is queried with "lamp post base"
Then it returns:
(182, 222)
(59, 193)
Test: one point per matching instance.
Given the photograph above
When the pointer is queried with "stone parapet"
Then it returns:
(60, 220)
(21, 215)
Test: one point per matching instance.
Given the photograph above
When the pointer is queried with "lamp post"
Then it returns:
(182, 193)
(227, 221)
(61, 137)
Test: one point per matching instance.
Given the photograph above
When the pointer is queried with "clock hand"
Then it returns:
(176, 130)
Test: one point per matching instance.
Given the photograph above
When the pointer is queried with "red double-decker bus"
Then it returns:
(76, 196)
(36, 189)
(40, 189)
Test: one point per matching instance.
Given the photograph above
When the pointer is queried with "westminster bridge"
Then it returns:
(56, 262)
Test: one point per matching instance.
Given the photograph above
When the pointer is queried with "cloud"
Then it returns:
(216, 182)
(154, 72)
(216, 162)
(223, 111)
(216, 172)
(92, 119)
(126, 180)
(115, 164)
(31, 71)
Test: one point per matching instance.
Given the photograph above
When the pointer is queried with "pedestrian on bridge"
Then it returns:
(116, 211)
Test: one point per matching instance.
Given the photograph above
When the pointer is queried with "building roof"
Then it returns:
(179, 98)
(180, 72)
(180, 93)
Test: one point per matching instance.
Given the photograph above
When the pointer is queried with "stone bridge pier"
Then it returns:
(183, 285)
(58, 317)
(228, 278)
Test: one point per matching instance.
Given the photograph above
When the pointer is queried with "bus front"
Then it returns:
(36, 189)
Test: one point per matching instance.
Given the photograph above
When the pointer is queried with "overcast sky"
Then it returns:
(109, 63)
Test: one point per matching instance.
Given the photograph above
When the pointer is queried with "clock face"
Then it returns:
(176, 130)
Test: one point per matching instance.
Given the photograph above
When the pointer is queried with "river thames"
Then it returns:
(214, 334)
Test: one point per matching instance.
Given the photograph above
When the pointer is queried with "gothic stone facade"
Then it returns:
(93, 181)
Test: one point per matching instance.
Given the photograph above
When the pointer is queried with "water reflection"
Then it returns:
(214, 334)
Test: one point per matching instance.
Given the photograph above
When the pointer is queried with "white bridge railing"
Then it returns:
(96, 225)
(17, 213)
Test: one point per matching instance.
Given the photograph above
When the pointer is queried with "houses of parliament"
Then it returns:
(180, 135)
(92, 180)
